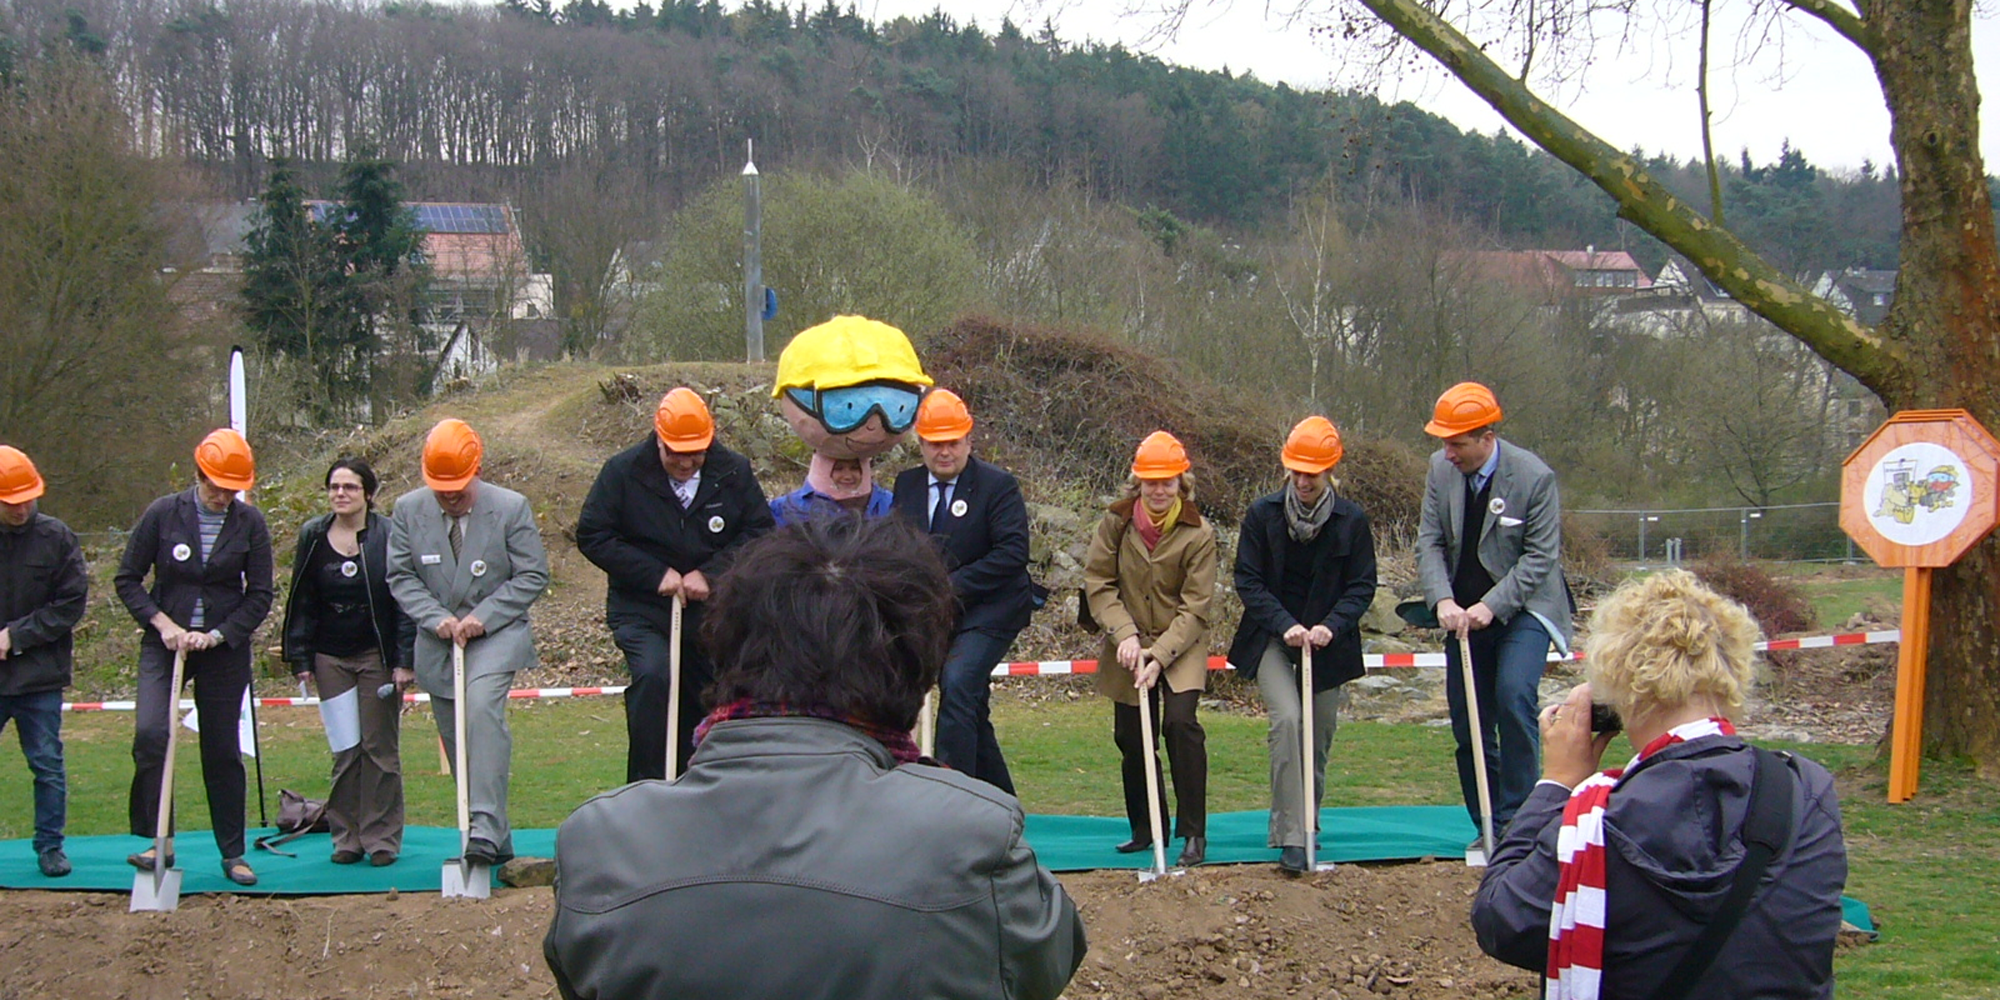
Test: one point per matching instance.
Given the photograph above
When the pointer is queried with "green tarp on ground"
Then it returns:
(1063, 843)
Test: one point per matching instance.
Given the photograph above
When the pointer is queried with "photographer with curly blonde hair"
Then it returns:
(1704, 867)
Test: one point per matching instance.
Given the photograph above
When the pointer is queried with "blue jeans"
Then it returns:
(37, 719)
(965, 724)
(1507, 665)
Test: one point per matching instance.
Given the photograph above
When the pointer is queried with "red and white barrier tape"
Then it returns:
(1047, 668)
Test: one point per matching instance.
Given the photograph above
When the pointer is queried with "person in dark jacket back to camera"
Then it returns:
(664, 518)
(975, 514)
(43, 589)
(809, 853)
(1605, 881)
(210, 558)
(1305, 570)
(345, 632)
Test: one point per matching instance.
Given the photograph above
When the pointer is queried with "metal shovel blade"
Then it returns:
(1475, 857)
(467, 881)
(156, 892)
(1150, 875)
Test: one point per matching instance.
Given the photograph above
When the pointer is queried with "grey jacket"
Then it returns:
(1674, 834)
(500, 570)
(1520, 543)
(796, 861)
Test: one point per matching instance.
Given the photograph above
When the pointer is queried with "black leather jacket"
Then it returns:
(803, 864)
(395, 633)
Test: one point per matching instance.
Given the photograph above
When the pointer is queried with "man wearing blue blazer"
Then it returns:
(975, 514)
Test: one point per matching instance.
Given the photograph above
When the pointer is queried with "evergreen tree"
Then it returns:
(295, 294)
(380, 249)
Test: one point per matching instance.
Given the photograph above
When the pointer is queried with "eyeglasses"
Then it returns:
(343, 488)
(844, 409)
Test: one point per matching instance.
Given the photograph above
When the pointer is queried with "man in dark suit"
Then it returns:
(664, 518)
(975, 513)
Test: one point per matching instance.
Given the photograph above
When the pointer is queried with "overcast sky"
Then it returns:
(1826, 101)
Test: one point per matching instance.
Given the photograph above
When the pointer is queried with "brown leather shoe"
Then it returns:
(382, 859)
(346, 857)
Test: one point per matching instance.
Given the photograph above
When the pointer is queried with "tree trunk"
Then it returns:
(1947, 310)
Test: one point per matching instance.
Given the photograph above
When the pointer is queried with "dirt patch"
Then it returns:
(1238, 932)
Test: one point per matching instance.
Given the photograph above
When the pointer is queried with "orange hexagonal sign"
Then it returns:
(1921, 489)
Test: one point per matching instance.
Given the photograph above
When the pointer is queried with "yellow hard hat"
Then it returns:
(847, 350)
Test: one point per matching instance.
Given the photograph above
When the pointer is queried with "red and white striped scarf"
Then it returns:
(1576, 921)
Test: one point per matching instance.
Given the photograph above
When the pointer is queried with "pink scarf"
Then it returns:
(1576, 921)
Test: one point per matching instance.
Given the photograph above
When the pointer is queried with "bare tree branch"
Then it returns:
(1851, 26)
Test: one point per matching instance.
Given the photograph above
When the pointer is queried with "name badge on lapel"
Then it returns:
(1497, 507)
(430, 559)
(715, 525)
(479, 567)
(348, 569)
(182, 552)
(958, 508)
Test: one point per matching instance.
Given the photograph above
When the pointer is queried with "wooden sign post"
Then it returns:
(1917, 494)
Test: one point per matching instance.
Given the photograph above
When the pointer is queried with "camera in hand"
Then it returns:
(1604, 719)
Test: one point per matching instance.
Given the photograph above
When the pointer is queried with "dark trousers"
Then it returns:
(364, 811)
(1187, 754)
(221, 676)
(965, 740)
(1507, 665)
(649, 655)
(37, 721)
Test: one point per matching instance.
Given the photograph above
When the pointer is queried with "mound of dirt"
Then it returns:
(1238, 932)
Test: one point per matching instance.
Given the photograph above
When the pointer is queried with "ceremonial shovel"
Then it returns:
(1153, 789)
(674, 692)
(159, 890)
(1478, 756)
(463, 879)
(927, 725)
(1309, 804)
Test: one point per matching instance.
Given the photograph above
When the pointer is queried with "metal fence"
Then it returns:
(1803, 532)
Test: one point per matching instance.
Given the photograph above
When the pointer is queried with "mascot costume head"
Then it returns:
(850, 389)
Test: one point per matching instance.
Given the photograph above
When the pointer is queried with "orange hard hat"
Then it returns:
(1160, 456)
(451, 455)
(1313, 446)
(1467, 406)
(943, 417)
(682, 421)
(224, 457)
(19, 482)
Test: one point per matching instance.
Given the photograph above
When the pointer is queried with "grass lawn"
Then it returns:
(1929, 869)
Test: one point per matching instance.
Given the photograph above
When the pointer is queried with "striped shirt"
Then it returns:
(211, 527)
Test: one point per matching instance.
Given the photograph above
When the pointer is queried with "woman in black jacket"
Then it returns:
(1305, 570)
(345, 632)
(210, 558)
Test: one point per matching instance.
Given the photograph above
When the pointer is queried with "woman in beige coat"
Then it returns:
(1149, 581)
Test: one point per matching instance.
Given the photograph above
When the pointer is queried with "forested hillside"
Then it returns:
(480, 101)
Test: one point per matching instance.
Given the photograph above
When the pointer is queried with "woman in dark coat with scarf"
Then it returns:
(345, 632)
(209, 555)
(1305, 570)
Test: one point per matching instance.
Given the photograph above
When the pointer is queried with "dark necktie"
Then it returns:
(943, 503)
(457, 536)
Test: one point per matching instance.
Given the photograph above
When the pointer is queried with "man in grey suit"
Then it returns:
(465, 561)
(1505, 592)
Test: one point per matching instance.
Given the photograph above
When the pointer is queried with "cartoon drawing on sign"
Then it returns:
(1903, 494)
